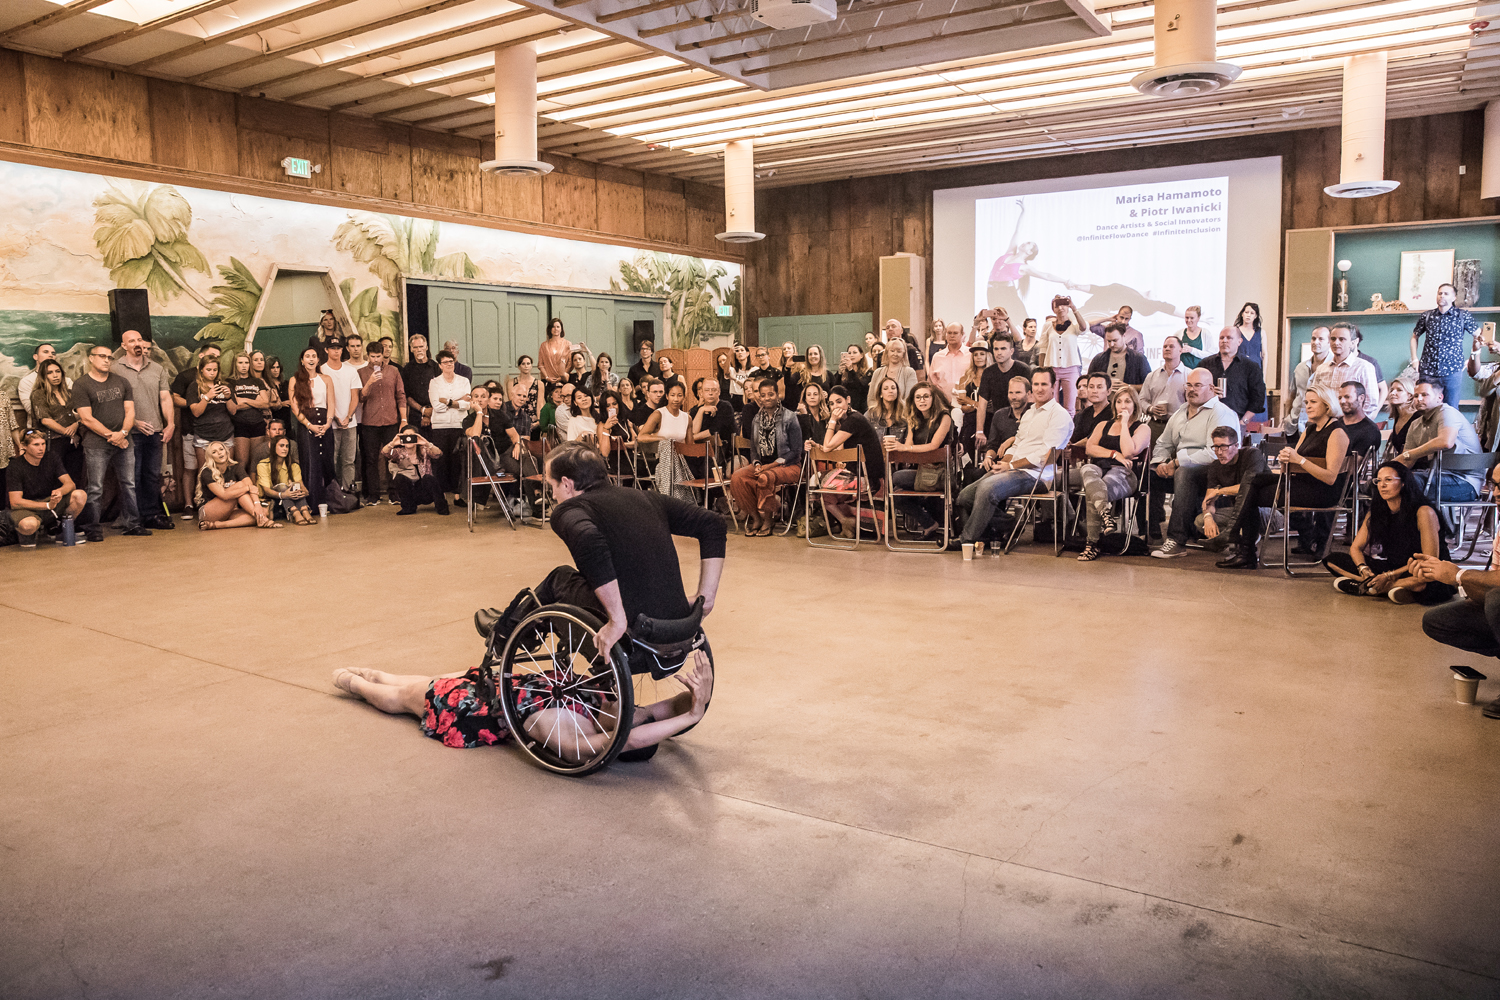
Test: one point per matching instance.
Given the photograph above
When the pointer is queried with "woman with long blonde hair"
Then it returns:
(887, 412)
(1398, 406)
(226, 498)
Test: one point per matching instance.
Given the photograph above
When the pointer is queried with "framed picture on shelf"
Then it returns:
(1422, 271)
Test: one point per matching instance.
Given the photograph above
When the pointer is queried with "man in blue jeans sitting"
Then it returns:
(1438, 427)
(1015, 466)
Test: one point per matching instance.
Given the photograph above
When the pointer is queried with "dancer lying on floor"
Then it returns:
(461, 710)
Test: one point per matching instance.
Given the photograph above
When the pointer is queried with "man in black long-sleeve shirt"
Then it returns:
(1245, 388)
(621, 541)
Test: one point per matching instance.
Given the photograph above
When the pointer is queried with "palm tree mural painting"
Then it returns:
(692, 290)
(233, 307)
(394, 246)
(142, 234)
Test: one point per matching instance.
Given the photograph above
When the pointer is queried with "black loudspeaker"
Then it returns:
(645, 329)
(129, 309)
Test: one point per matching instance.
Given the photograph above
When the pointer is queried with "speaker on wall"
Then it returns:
(644, 329)
(129, 309)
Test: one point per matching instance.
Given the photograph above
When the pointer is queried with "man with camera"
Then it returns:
(410, 457)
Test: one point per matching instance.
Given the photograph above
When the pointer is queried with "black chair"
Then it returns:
(1457, 511)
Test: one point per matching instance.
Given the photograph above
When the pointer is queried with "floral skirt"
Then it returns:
(461, 711)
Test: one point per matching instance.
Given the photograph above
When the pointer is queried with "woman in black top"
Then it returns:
(929, 429)
(1398, 406)
(276, 383)
(208, 399)
(848, 429)
(226, 497)
(815, 371)
(1314, 475)
(52, 408)
(1401, 523)
(854, 374)
(1108, 476)
(812, 414)
(249, 406)
(724, 375)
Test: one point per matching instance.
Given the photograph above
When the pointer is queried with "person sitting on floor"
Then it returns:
(1400, 524)
(226, 497)
(1471, 624)
(1314, 471)
(1109, 474)
(410, 457)
(1231, 467)
(280, 479)
(42, 494)
(775, 458)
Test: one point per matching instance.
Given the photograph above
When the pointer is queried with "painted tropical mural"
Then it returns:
(67, 238)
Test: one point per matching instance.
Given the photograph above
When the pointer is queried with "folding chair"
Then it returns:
(1488, 508)
(490, 476)
(1345, 505)
(1132, 504)
(713, 477)
(942, 457)
(859, 493)
(1057, 497)
(538, 452)
(744, 450)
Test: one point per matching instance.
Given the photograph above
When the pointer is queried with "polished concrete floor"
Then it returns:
(1018, 777)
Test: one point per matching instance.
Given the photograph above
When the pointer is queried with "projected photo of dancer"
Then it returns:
(1011, 274)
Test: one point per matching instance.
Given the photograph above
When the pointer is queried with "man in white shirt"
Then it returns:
(1181, 457)
(1345, 365)
(949, 364)
(28, 382)
(346, 392)
(1018, 463)
(1296, 411)
(1165, 389)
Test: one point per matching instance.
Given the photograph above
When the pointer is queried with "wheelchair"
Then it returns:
(568, 709)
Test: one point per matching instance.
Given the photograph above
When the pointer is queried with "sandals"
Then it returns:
(1090, 553)
(266, 522)
(765, 530)
(206, 525)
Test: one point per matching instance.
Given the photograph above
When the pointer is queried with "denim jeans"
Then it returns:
(1187, 487)
(99, 456)
(147, 448)
(345, 446)
(979, 501)
(1455, 488)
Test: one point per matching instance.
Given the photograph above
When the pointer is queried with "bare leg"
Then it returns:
(242, 452)
(394, 699)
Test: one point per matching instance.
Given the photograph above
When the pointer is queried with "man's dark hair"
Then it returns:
(1093, 375)
(275, 420)
(1429, 380)
(767, 381)
(446, 354)
(1051, 375)
(1117, 327)
(1353, 330)
(696, 383)
(580, 462)
(1224, 433)
(1449, 284)
(38, 348)
(1172, 336)
(1359, 389)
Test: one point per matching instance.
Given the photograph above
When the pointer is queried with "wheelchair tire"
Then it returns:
(550, 663)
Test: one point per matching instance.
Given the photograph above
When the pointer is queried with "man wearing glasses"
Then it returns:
(107, 410)
(1232, 465)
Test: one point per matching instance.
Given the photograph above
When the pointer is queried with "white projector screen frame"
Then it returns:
(1252, 248)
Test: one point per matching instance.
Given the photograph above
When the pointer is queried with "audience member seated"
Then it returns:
(1164, 391)
(649, 398)
(410, 456)
(280, 479)
(1364, 436)
(668, 426)
(1006, 422)
(885, 412)
(1400, 524)
(51, 407)
(548, 421)
(1438, 427)
(775, 458)
(1118, 362)
(226, 497)
(848, 429)
(1471, 623)
(582, 424)
(929, 429)
(1400, 408)
(1017, 466)
(1245, 385)
(812, 414)
(972, 409)
(42, 494)
(669, 376)
(1314, 474)
(713, 416)
(1180, 460)
(603, 376)
(1232, 467)
(1094, 408)
(1109, 475)
(274, 429)
(615, 414)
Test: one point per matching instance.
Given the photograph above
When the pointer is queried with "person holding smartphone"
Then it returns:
(208, 400)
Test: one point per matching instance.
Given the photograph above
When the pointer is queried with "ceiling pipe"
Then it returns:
(739, 193)
(1363, 159)
(1186, 51)
(515, 114)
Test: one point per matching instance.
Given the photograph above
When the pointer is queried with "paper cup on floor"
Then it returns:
(322, 510)
(1465, 689)
(968, 551)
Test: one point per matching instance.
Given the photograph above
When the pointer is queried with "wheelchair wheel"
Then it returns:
(646, 690)
(568, 709)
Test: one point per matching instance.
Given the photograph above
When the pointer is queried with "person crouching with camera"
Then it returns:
(410, 456)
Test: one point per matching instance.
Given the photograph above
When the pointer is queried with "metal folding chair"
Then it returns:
(490, 476)
(538, 452)
(713, 477)
(942, 457)
(859, 493)
(1345, 505)
(1458, 511)
(1056, 495)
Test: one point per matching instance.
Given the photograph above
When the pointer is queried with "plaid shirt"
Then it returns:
(1443, 349)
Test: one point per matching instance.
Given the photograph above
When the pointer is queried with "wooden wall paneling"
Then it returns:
(1439, 169)
(864, 263)
(665, 209)
(570, 193)
(1307, 181)
(841, 292)
(512, 197)
(87, 109)
(705, 216)
(261, 154)
(1472, 158)
(280, 118)
(621, 200)
(1336, 211)
(370, 158)
(12, 97)
(445, 171)
(1405, 161)
(839, 211)
(193, 127)
(798, 245)
(820, 292)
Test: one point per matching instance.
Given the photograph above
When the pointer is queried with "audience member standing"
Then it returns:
(1243, 384)
(328, 329)
(186, 431)
(43, 352)
(416, 376)
(52, 410)
(554, 354)
(1302, 375)
(383, 403)
(1180, 460)
(1164, 391)
(895, 368)
(1058, 349)
(1247, 325)
(1123, 365)
(994, 384)
(107, 412)
(155, 415)
(853, 374)
(450, 399)
(1026, 348)
(1193, 338)
(312, 397)
(249, 408)
(1014, 467)
(1344, 365)
(10, 445)
(647, 364)
(208, 402)
(459, 368)
(1134, 340)
(346, 391)
(1447, 330)
(949, 364)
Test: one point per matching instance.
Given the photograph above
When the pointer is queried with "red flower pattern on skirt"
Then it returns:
(458, 711)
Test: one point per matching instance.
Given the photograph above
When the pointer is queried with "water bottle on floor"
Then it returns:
(69, 531)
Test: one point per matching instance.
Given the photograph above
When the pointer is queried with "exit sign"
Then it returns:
(726, 310)
(297, 168)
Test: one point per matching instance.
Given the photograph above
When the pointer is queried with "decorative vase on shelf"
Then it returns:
(1341, 300)
(1466, 274)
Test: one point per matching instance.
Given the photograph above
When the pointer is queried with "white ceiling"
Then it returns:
(891, 85)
